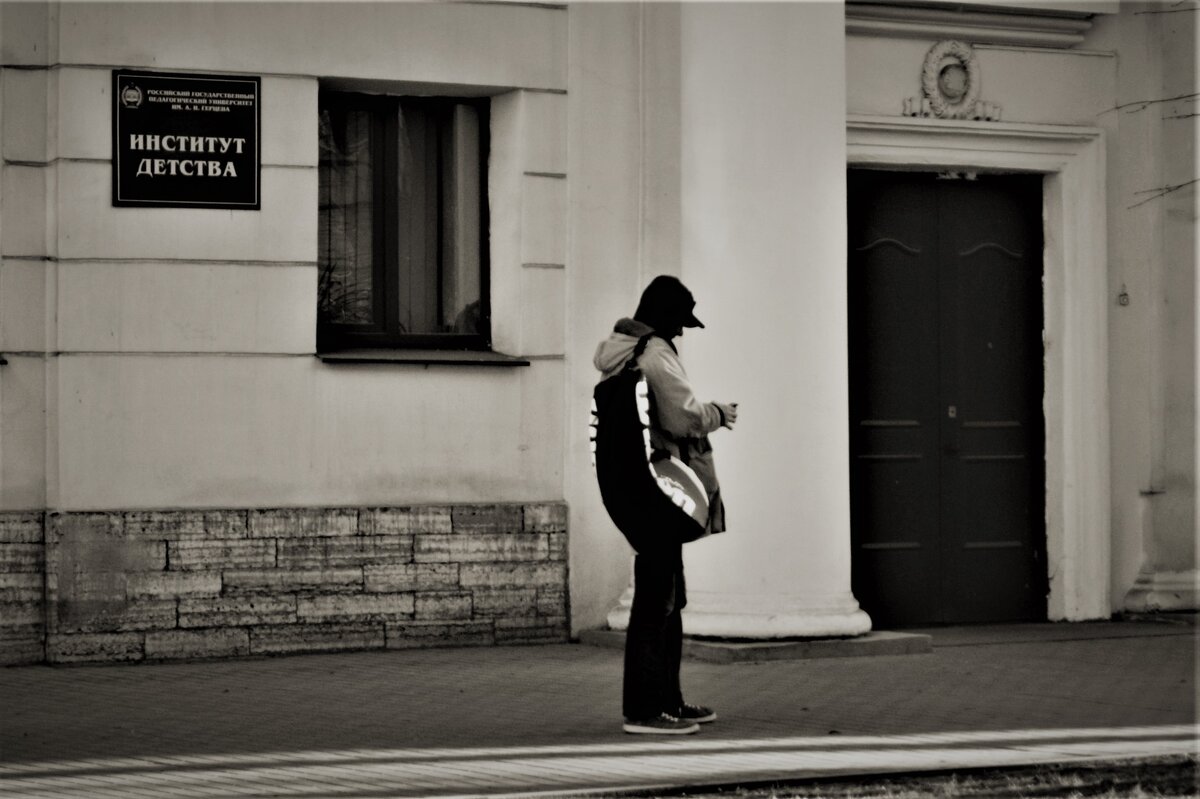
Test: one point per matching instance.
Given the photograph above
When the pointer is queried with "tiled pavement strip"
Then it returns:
(545, 719)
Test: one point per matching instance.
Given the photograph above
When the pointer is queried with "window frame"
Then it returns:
(385, 234)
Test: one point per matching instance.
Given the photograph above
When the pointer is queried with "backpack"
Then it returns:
(652, 497)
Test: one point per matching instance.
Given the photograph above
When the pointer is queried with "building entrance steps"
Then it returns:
(546, 719)
(718, 650)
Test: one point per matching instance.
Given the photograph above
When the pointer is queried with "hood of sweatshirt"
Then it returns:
(615, 350)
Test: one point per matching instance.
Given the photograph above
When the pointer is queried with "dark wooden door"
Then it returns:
(946, 385)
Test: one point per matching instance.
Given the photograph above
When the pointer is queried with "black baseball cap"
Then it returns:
(667, 304)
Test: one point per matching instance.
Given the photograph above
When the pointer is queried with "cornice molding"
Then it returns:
(862, 126)
(1062, 30)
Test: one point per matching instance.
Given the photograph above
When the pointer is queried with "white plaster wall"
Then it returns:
(1134, 162)
(1175, 514)
(527, 196)
(161, 306)
(497, 45)
(198, 431)
(1136, 268)
(25, 285)
(23, 433)
(165, 355)
(1031, 84)
(1194, 131)
(1153, 337)
(90, 228)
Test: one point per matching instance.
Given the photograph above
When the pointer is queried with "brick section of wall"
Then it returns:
(168, 585)
(22, 588)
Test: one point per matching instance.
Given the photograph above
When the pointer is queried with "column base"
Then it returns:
(1164, 591)
(761, 616)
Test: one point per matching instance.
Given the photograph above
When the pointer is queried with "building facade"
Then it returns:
(298, 304)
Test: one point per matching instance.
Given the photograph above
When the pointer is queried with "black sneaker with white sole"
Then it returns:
(662, 724)
(696, 713)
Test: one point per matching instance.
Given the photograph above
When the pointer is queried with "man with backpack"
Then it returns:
(678, 426)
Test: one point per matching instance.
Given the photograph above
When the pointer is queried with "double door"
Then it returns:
(946, 386)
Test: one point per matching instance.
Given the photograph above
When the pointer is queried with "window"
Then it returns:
(402, 229)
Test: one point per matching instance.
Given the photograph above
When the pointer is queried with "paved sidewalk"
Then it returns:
(487, 722)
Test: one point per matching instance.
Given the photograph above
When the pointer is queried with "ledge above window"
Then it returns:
(423, 357)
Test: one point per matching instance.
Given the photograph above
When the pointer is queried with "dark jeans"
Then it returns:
(654, 640)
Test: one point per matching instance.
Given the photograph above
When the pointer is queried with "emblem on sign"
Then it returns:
(131, 96)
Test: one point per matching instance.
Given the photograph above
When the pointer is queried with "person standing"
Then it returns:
(652, 700)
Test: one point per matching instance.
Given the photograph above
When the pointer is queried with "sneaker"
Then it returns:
(696, 713)
(662, 724)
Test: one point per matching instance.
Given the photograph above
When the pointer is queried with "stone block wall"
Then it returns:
(165, 585)
(22, 588)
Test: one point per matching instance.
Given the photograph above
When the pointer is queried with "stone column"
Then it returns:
(763, 199)
(1170, 575)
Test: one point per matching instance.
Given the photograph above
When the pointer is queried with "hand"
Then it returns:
(730, 412)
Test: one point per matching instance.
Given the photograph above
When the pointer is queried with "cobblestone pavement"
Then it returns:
(545, 719)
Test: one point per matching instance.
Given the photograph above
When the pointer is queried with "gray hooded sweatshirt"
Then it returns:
(679, 422)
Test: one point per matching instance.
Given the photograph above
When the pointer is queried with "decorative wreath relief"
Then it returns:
(950, 80)
(950, 85)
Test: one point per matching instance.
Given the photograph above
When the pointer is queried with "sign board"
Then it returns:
(182, 140)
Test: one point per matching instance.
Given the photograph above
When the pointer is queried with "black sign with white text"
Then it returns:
(188, 141)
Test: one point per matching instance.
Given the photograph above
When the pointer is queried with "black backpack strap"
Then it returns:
(632, 364)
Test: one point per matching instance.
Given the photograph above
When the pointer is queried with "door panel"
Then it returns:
(894, 428)
(993, 527)
(947, 476)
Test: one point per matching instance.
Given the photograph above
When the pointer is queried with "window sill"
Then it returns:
(423, 357)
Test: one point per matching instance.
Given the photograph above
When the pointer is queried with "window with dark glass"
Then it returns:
(402, 229)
